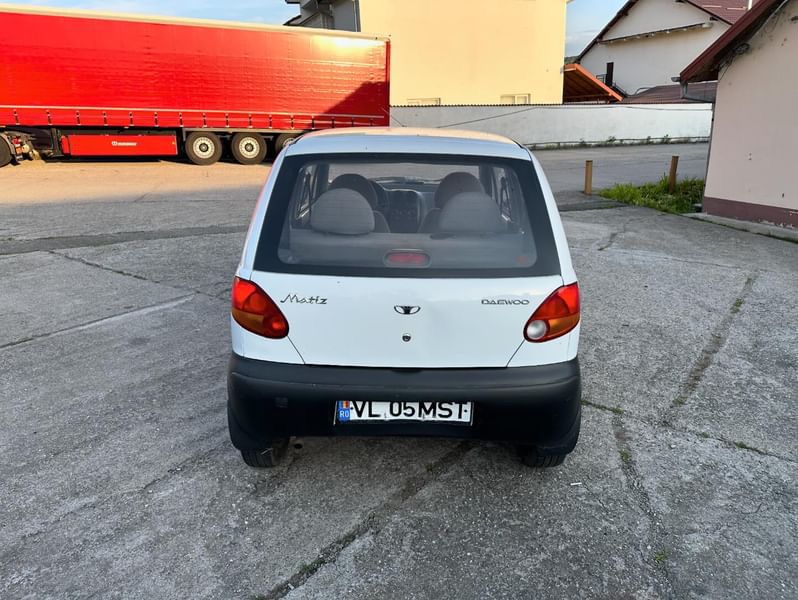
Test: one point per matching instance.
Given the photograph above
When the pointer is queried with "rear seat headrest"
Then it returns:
(471, 212)
(360, 184)
(456, 183)
(342, 211)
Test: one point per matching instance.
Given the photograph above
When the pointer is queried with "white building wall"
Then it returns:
(755, 137)
(570, 124)
(653, 15)
(648, 62)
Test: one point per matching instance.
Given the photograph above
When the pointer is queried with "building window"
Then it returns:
(515, 99)
(423, 101)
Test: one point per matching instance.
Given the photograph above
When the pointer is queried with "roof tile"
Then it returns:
(727, 10)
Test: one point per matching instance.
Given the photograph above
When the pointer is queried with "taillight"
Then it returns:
(256, 312)
(558, 315)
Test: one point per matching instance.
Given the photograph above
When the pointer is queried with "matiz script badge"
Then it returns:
(303, 299)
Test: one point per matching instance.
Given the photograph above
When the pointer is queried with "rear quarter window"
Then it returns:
(407, 216)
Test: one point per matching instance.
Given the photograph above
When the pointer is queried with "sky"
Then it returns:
(585, 17)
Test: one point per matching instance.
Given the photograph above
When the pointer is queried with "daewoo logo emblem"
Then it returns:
(407, 310)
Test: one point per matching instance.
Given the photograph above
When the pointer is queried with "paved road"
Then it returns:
(119, 481)
(623, 164)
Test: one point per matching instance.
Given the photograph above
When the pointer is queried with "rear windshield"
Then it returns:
(407, 216)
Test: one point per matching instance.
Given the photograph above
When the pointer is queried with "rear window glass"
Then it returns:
(407, 216)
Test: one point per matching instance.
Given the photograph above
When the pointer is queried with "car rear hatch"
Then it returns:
(403, 323)
(407, 261)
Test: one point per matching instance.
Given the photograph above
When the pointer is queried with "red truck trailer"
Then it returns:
(81, 83)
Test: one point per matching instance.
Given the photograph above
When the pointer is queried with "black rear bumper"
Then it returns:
(531, 405)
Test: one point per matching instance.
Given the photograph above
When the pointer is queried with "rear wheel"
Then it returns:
(5, 153)
(203, 148)
(271, 456)
(248, 148)
(281, 140)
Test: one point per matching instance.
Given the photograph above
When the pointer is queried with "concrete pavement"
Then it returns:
(119, 480)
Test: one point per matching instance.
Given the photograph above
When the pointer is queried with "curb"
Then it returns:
(774, 231)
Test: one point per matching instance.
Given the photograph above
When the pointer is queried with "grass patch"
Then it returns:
(612, 409)
(626, 456)
(744, 446)
(655, 195)
(661, 557)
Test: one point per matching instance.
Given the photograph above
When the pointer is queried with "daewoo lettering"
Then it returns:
(505, 302)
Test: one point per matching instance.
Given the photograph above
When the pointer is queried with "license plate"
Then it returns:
(349, 411)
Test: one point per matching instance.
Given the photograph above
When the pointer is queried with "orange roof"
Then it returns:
(580, 85)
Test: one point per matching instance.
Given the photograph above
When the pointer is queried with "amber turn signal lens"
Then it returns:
(558, 315)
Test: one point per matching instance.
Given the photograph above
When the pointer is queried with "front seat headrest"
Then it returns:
(456, 183)
(471, 212)
(360, 184)
(344, 212)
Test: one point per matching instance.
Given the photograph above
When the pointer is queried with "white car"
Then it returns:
(405, 282)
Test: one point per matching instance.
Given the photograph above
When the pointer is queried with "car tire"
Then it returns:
(531, 458)
(281, 140)
(5, 153)
(248, 148)
(269, 457)
(203, 147)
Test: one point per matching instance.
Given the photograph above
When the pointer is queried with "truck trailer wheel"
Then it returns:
(281, 140)
(5, 153)
(248, 148)
(203, 148)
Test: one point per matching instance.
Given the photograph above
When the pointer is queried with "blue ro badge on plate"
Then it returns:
(344, 410)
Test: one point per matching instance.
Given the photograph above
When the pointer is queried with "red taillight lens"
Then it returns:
(558, 315)
(256, 312)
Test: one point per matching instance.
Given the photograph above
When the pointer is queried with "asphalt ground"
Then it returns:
(118, 480)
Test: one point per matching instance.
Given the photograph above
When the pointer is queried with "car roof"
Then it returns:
(406, 140)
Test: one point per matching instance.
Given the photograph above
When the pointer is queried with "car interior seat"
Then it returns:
(471, 213)
(342, 212)
(451, 185)
(361, 185)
